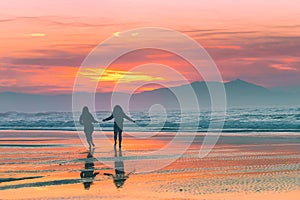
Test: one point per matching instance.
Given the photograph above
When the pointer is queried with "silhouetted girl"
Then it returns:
(86, 119)
(119, 115)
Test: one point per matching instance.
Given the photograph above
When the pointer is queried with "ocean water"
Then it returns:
(273, 119)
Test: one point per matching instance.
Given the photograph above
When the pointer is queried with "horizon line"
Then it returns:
(70, 92)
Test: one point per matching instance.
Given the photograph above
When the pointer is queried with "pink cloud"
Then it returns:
(283, 67)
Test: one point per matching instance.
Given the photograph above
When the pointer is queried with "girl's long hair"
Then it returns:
(85, 111)
(118, 110)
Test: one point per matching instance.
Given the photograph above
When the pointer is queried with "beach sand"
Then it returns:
(48, 164)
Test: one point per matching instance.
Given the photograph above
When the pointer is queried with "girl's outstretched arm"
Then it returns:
(95, 174)
(94, 121)
(109, 174)
(82, 174)
(109, 118)
(128, 118)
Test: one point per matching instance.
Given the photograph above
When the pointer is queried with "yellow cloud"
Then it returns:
(37, 35)
(134, 34)
(117, 34)
(99, 74)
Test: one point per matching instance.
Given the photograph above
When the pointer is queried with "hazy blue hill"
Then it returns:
(243, 87)
(10, 101)
(286, 89)
(239, 93)
(163, 96)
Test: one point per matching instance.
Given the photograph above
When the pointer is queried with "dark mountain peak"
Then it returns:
(240, 92)
(241, 83)
(239, 80)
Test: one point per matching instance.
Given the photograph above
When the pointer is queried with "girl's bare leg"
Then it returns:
(120, 138)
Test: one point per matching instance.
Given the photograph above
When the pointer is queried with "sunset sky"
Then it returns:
(43, 43)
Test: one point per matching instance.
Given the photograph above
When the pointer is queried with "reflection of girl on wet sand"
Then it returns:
(87, 174)
(119, 115)
(120, 177)
(86, 119)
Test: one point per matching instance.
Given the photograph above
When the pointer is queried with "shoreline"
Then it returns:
(198, 133)
(238, 167)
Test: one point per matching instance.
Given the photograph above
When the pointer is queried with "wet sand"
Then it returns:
(54, 164)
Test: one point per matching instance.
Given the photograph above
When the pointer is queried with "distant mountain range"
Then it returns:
(238, 92)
